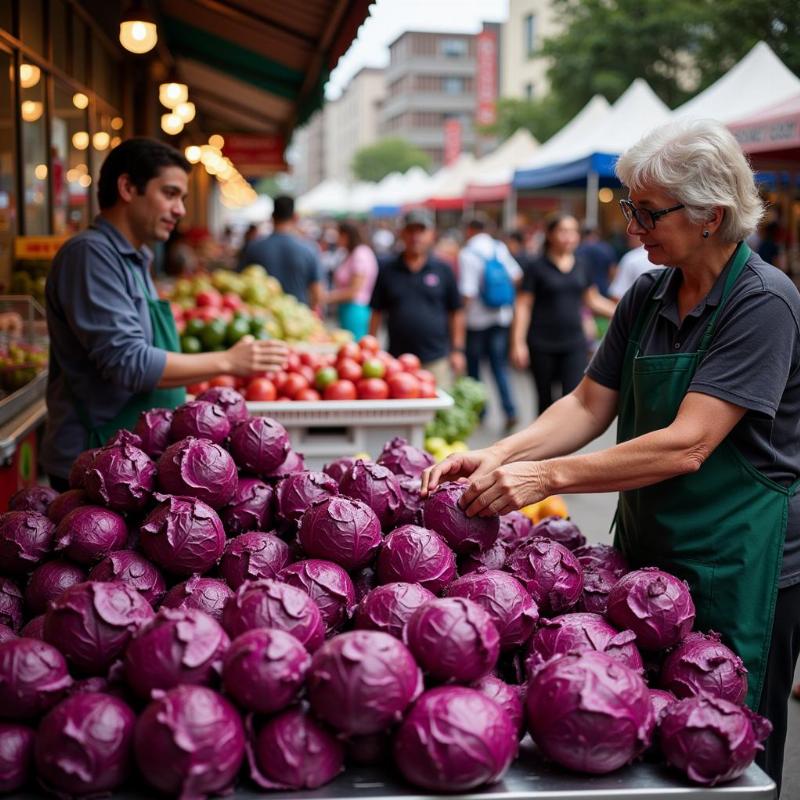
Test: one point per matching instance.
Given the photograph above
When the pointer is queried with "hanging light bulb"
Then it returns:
(85, 180)
(117, 123)
(215, 140)
(29, 75)
(192, 153)
(185, 111)
(137, 29)
(80, 140)
(173, 94)
(171, 124)
(40, 172)
(101, 140)
(80, 100)
(115, 140)
(31, 110)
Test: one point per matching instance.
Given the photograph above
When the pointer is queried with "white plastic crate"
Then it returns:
(330, 429)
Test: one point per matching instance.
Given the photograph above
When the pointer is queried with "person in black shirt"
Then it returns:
(547, 334)
(419, 298)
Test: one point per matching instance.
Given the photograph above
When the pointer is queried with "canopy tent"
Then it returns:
(446, 190)
(492, 174)
(416, 183)
(759, 80)
(771, 137)
(385, 199)
(329, 197)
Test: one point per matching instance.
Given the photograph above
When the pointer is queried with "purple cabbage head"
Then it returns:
(560, 530)
(402, 458)
(121, 477)
(515, 527)
(590, 693)
(229, 400)
(16, 755)
(6, 634)
(454, 739)
(90, 533)
(200, 419)
(294, 462)
(661, 699)
(376, 486)
(26, 537)
(416, 555)
(453, 639)
(152, 428)
(204, 594)
(442, 513)
(341, 530)
(250, 509)
(252, 556)
(259, 445)
(48, 581)
(597, 586)
(361, 682)
(296, 492)
(507, 696)
(388, 608)
(493, 557)
(11, 604)
(33, 678)
(410, 511)
(33, 628)
(655, 605)
(66, 502)
(198, 468)
(130, 567)
(32, 498)
(328, 585)
(602, 557)
(337, 469)
(79, 468)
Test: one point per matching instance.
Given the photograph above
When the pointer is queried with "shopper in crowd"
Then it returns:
(114, 349)
(330, 254)
(488, 277)
(547, 333)
(630, 268)
(418, 297)
(515, 241)
(286, 256)
(353, 281)
(599, 256)
(701, 369)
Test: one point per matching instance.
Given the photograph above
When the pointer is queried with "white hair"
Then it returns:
(700, 164)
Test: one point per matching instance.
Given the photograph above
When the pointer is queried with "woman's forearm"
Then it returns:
(182, 368)
(522, 318)
(599, 305)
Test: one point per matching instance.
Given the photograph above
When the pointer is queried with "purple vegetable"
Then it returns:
(453, 639)
(442, 513)
(560, 530)
(16, 755)
(341, 530)
(204, 594)
(575, 633)
(48, 581)
(83, 745)
(328, 585)
(336, 469)
(493, 557)
(271, 604)
(6, 634)
(505, 599)
(129, 567)
(410, 511)
(454, 739)
(25, 539)
(508, 697)
(33, 498)
(183, 535)
(416, 555)
(655, 605)
(121, 477)
(361, 682)
(589, 713)
(250, 509)
(251, 556)
(34, 628)
(701, 664)
(515, 527)
(66, 502)
(190, 742)
(198, 468)
(152, 428)
(123, 437)
(377, 487)
(259, 445)
(91, 623)
(200, 419)
(294, 462)
(660, 700)
(597, 586)
(292, 751)
(550, 572)
(602, 557)
(295, 493)
(77, 473)
(180, 645)
(402, 458)
(10, 604)
(711, 739)
(89, 533)
(388, 608)
(264, 670)
(33, 678)
(229, 400)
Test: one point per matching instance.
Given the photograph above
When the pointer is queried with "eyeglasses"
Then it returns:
(644, 217)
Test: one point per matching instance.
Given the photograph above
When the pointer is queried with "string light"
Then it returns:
(80, 100)
(80, 140)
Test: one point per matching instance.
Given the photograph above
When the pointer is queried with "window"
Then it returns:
(60, 32)
(8, 170)
(31, 24)
(530, 92)
(529, 32)
(454, 48)
(451, 85)
(35, 168)
(69, 170)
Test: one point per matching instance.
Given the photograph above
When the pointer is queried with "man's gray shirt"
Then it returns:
(753, 362)
(100, 337)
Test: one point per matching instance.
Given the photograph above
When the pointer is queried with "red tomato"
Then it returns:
(369, 343)
(292, 362)
(207, 313)
(393, 366)
(410, 362)
(350, 350)
(210, 298)
(309, 395)
(232, 301)
(180, 325)
(340, 390)
(309, 359)
(294, 383)
(372, 389)
(177, 311)
(426, 377)
(403, 386)
(348, 369)
(309, 373)
(283, 399)
(261, 390)
(197, 388)
(224, 380)
(427, 390)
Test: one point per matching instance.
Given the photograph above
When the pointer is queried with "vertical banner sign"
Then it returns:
(486, 77)
(452, 140)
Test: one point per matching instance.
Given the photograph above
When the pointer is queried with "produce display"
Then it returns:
(20, 363)
(199, 610)
(450, 429)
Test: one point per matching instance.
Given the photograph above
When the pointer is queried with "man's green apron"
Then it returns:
(721, 528)
(165, 337)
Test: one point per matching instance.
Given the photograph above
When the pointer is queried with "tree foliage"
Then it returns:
(376, 161)
(541, 117)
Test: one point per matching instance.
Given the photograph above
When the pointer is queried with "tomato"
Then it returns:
(197, 388)
(210, 298)
(410, 362)
(348, 369)
(283, 399)
(309, 395)
(294, 383)
(232, 301)
(177, 311)
(292, 362)
(325, 377)
(350, 350)
(261, 390)
(340, 390)
(393, 366)
(427, 390)
(426, 377)
(224, 380)
(309, 359)
(369, 343)
(403, 386)
(373, 368)
(372, 389)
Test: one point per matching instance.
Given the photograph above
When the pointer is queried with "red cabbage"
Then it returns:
(597, 586)
(294, 462)
(328, 585)
(152, 428)
(402, 458)
(16, 755)
(442, 513)
(48, 581)
(26, 537)
(250, 509)
(33, 628)
(89, 533)
(204, 594)
(77, 473)
(128, 566)
(198, 468)
(377, 487)
(388, 608)
(251, 556)
(337, 469)
(229, 400)
(200, 419)
(32, 498)
(295, 493)
(10, 604)
(259, 445)
(560, 530)
(660, 699)
(121, 477)
(6, 634)
(33, 678)
(602, 557)
(66, 502)
(414, 554)
(508, 697)
(493, 557)
(410, 511)
(515, 527)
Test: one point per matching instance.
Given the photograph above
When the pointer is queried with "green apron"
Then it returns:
(165, 337)
(721, 528)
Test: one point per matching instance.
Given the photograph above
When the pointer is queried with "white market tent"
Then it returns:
(446, 189)
(385, 201)
(416, 184)
(329, 197)
(492, 174)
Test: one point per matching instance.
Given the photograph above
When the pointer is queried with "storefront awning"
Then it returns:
(771, 136)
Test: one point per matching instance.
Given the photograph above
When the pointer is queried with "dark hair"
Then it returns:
(517, 236)
(282, 208)
(551, 223)
(351, 234)
(479, 222)
(141, 159)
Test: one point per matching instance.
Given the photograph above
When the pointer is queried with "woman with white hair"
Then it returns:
(700, 369)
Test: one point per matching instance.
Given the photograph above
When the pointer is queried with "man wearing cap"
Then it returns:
(418, 295)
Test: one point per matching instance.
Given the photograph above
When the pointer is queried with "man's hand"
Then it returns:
(506, 489)
(460, 465)
(520, 356)
(458, 362)
(249, 356)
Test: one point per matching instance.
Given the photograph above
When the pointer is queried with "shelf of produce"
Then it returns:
(17, 402)
(329, 429)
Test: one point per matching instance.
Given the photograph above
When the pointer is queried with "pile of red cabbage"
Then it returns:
(200, 610)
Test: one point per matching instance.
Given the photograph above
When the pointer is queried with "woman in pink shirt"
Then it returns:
(353, 281)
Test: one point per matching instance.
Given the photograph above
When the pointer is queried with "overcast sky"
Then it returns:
(389, 18)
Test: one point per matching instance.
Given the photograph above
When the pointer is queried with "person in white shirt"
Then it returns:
(487, 328)
(633, 264)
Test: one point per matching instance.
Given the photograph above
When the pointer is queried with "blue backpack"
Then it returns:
(497, 288)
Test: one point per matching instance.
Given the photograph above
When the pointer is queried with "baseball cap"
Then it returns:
(418, 216)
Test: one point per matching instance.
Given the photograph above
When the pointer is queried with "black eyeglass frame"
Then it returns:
(631, 211)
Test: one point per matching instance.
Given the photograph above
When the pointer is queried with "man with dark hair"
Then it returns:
(114, 349)
(286, 256)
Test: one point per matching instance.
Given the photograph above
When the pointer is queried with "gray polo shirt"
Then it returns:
(753, 362)
(100, 337)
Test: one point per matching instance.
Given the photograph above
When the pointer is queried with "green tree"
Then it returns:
(377, 160)
(541, 117)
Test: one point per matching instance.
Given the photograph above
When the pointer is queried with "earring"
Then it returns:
(706, 234)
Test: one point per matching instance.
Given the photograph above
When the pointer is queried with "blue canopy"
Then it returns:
(570, 173)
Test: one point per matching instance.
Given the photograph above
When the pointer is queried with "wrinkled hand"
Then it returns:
(504, 489)
(249, 356)
(520, 355)
(460, 465)
(458, 363)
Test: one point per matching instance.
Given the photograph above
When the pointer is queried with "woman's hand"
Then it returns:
(506, 488)
(251, 355)
(520, 356)
(460, 465)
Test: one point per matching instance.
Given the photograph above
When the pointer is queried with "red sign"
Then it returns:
(255, 155)
(452, 140)
(486, 77)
